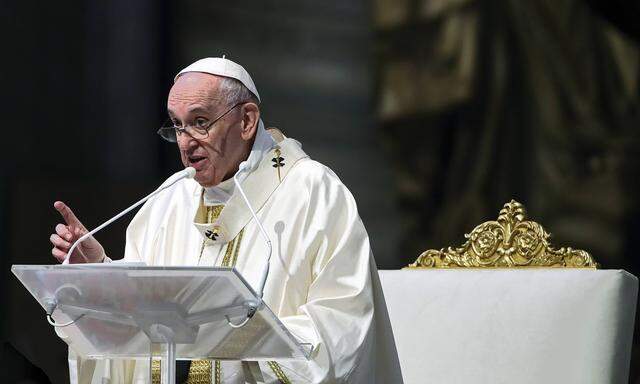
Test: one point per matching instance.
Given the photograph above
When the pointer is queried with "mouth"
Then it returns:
(197, 162)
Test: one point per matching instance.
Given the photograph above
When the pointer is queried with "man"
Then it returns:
(322, 280)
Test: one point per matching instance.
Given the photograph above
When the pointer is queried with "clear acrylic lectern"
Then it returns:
(135, 312)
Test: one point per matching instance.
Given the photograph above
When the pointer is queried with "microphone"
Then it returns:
(243, 166)
(187, 173)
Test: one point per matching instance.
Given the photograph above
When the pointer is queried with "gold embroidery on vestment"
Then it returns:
(275, 367)
(155, 371)
(199, 372)
(213, 212)
(218, 371)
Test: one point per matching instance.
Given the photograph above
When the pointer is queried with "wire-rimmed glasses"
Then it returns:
(170, 131)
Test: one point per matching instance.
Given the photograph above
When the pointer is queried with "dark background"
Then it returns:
(434, 113)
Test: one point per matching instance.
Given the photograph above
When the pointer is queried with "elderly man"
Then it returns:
(322, 282)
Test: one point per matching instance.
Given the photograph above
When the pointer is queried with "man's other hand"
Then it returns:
(89, 251)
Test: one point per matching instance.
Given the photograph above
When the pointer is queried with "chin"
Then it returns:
(205, 181)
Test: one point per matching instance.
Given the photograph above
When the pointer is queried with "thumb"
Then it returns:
(67, 214)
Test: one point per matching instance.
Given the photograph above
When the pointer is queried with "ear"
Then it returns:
(250, 119)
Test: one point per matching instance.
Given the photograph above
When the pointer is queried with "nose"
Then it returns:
(186, 141)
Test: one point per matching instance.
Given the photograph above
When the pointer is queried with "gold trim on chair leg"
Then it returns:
(510, 241)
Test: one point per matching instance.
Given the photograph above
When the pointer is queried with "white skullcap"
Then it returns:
(220, 66)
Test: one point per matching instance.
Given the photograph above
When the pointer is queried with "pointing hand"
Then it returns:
(89, 251)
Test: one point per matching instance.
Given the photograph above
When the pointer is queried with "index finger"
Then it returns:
(67, 214)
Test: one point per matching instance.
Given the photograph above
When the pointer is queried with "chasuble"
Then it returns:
(322, 282)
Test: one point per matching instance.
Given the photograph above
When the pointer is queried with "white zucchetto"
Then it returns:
(220, 66)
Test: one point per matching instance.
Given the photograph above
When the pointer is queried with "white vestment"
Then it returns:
(322, 282)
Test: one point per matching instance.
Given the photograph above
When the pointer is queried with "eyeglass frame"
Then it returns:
(179, 131)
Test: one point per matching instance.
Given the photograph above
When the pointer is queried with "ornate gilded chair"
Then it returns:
(507, 307)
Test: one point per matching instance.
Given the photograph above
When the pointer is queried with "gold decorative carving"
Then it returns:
(510, 241)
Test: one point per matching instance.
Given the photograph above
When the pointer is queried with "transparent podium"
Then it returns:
(120, 311)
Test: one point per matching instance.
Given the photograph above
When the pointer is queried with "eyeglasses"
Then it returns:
(170, 131)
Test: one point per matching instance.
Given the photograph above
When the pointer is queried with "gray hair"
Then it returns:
(235, 92)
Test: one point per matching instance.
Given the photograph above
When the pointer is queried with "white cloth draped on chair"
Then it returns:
(562, 321)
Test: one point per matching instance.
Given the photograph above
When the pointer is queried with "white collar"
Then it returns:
(259, 185)
(222, 192)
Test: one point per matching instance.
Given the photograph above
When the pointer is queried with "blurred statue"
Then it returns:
(533, 100)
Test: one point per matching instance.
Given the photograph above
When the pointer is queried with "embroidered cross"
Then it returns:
(278, 162)
(211, 235)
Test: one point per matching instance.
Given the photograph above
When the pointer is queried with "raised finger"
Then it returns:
(66, 212)
(59, 242)
(63, 231)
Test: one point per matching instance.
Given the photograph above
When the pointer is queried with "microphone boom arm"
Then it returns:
(185, 173)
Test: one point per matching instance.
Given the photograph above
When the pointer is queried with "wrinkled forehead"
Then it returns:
(194, 88)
